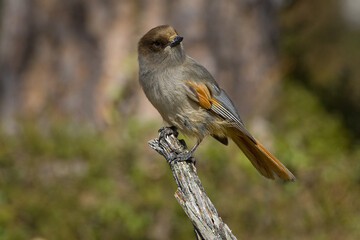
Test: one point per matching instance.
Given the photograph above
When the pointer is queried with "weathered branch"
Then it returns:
(190, 193)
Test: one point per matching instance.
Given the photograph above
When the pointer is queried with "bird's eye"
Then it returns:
(157, 43)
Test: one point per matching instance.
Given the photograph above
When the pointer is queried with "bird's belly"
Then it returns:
(177, 109)
(193, 120)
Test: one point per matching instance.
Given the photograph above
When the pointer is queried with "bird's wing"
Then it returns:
(214, 99)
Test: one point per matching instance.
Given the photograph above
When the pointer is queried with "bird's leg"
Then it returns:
(187, 156)
(192, 150)
(179, 156)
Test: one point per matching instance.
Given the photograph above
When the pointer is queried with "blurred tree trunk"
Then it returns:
(49, 61)
(75, 58)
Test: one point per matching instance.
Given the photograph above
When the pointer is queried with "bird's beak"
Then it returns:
(176, 41)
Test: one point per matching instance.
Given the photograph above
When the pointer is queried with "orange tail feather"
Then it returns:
(261, 158)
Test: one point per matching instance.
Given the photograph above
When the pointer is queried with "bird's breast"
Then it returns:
(166, 90)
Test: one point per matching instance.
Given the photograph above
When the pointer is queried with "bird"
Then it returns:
(188, 98)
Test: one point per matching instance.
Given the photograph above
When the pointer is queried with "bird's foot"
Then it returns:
(183, 156)
(177, 156)
(166, 131)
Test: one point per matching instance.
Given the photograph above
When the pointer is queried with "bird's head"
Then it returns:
(161, 44)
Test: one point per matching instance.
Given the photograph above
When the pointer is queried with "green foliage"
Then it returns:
(70, 182)
(321, 151)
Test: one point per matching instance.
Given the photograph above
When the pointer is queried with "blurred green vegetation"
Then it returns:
(70, 182)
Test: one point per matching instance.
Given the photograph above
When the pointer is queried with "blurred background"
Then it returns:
(74, 159)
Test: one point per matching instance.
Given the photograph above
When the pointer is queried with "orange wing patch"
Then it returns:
(203, 94)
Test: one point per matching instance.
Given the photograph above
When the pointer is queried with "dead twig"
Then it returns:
(190, 193)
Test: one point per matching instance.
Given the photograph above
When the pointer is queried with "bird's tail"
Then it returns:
(261, 158)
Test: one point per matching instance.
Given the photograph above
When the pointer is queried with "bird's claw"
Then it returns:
(166, 131)
(183, 156)
(177, 156)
